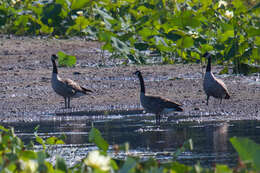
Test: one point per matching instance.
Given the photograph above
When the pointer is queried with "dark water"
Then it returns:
(210, 139)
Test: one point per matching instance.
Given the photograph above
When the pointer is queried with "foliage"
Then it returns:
(180, 30)
(248, 151)
(17, 157)
(66, 60)
(95, 137)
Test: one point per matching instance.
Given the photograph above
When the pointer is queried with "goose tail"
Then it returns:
(227, 96)
(85, 91)
(179, 109)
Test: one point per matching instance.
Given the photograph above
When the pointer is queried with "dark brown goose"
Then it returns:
(212, 86)
(66, 88)
(155, 104)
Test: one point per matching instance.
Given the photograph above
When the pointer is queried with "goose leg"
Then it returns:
(65, 101)
(68, 102)
(157, 116)
(207, 99)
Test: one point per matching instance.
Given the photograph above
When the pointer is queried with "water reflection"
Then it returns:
(211, 139)
(220, 138)
(77, 131)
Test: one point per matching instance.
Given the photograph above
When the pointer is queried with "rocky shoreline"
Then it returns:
(26, 93)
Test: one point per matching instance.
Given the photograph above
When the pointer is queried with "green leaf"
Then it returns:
(185, 42)
(95, 137)
(3, 129)
(28, 154)
(239, 5)
(223, 71)
(51, 140)
(188, 18)
(180, 168)
(231, 50)
(146, 33)
(37, 128)
(224, 36)
(51, 14)
(257, 40)
(128, 166)
(40, 141)
(108, 46)
(223, 169)
(253, 32)
(226, 27)
(114, 164)
(256, 54)
(41, 156)
(105, 36)
(81, 23)
(248, 150)
(79, 4)
(3, 16)
(206, 4)
(49, 167)
(66, 60)
(61, 165)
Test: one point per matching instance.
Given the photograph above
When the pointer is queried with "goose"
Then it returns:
(212, 86)
(155, 104)
(66, 88)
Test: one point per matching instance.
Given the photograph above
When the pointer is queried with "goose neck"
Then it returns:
(141, 83)
(55, 70)
(208, 69)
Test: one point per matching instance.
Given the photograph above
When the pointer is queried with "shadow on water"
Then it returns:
(210, 139)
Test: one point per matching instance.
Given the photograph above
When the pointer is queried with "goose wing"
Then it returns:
(158, 101)
(222, 86)
(75, 86)
(168, 103)
(220, 82)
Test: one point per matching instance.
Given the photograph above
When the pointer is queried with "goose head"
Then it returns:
(54, 57)
(137, 73)
(207, 55)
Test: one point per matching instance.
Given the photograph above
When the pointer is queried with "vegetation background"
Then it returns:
(147, 31)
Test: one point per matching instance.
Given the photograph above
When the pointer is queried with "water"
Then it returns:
(210, 139)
